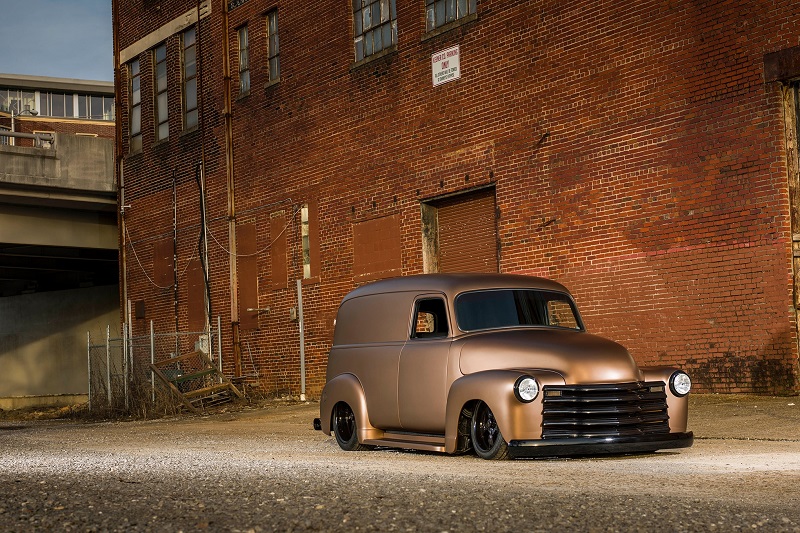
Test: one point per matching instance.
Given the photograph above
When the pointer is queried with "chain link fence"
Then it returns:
(120, 378)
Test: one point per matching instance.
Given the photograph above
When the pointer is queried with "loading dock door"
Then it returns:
(467, 232)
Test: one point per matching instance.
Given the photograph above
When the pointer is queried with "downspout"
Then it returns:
(226, 72)
(201, 177)
(118, 164)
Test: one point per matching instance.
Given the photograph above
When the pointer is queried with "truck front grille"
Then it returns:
(619, 410)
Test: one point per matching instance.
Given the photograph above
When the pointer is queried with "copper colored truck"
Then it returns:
(498, 364)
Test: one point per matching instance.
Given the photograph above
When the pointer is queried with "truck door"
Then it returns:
(422, 390)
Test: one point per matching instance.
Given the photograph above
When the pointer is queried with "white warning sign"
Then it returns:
(446, 65)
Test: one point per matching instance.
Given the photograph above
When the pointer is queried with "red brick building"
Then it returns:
(644, 154)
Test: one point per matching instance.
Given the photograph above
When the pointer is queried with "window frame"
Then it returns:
(134, 106)
(437, 332)
(366, 28)
(305, 241)
(272, 38)
(309, 240)
(440, 14)
(243, 55)
(190, 114)
(158, 91)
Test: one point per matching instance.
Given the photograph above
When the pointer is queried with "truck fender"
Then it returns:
(516, 420)
(677, 406)
(346, 388)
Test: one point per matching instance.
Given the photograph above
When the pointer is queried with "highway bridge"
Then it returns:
(58, 264)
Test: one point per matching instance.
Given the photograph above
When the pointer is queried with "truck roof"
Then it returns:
(453, 284)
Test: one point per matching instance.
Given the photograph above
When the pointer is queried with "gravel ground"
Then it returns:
(265, 469)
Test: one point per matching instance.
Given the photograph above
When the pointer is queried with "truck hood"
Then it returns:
(581, 358)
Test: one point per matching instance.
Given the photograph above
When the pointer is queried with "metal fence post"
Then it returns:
(125, 337)
(152, 361)
(219, 342)
(302, 341)
(89, 365)
(108, 364)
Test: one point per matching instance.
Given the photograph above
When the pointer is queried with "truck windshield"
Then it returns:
(506, 308)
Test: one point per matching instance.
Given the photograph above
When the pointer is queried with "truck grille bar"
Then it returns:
(618, 410)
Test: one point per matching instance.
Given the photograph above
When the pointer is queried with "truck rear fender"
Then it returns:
(347, 388)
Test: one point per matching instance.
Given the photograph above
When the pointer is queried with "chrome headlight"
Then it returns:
(680, 383)
(526, 388)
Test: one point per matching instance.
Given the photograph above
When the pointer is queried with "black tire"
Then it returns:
(345, 429)
(487, 441)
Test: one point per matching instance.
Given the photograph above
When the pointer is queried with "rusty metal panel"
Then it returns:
(196, 296)
(247, 266)
(164, 262)
(468, 233)
(277, 232)
(782, 65)
(377, 250)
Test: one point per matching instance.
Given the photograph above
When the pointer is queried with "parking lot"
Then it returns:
(264, 469)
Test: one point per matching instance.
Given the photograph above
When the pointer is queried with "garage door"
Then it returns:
(467, 232)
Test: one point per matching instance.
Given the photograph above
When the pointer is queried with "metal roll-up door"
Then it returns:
(468, 233)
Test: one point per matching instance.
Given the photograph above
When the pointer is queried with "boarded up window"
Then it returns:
(467, 233)
(377, 248)
(277, 252)
(163, 263)
(247, 274)
(196, 296)
(310, 240)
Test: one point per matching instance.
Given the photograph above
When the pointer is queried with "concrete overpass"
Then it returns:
(58, 265)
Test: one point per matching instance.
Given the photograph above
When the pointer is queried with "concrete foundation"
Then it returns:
(49, 400)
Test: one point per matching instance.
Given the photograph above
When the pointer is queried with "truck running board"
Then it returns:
(410, 441)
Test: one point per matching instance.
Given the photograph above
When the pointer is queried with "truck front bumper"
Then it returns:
(599, 445)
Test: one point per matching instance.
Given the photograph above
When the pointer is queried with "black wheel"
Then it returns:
(345, 428)
(487, 440)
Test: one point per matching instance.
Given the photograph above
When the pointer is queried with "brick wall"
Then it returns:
(637, 154)
(26, 124)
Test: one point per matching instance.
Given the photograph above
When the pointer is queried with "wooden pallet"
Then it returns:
(194, 380)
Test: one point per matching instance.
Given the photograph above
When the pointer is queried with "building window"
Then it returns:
(306, 235)
(441, 12)
(273, 47)
(374, 26)
(18, 101)
(3, 138)
(244, 61)
(95, 107)
(56, 104)
(160, 86)
(189, 78)
(134, 106)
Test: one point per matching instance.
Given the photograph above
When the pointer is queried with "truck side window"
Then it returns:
(430, 319)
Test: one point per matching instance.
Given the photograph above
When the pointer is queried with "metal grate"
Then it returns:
(619, 410)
